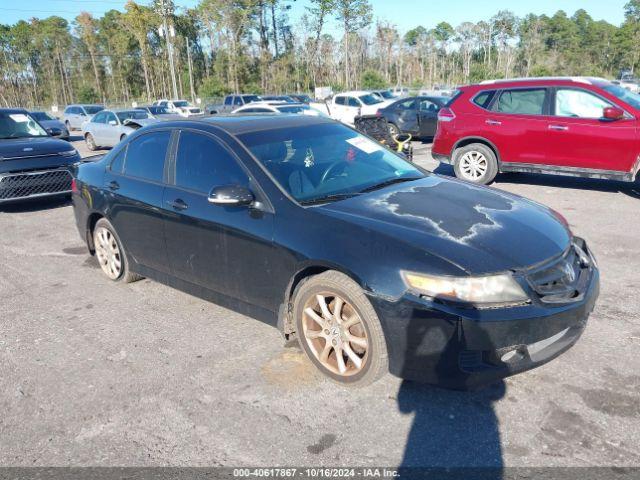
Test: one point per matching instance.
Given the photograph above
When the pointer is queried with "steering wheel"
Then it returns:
(327, 173)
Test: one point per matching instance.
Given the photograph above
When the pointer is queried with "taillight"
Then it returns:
(446, 115)
(378, 114)
(74, 186)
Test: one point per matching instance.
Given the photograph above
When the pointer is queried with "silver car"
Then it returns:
(75, 115)
(108, 127)
(51, 124)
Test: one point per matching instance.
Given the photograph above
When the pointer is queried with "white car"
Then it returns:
(345, 107)
(179, 107)
(279, 107)
(108, 127)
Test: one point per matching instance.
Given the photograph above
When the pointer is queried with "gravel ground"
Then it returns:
(95, 373)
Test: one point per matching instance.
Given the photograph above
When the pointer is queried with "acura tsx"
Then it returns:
(371, 263)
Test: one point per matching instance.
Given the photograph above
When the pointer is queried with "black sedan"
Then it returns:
(373, 264)
(417, 116)
(33, 163)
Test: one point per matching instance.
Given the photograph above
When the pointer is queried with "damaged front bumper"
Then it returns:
(468, 348)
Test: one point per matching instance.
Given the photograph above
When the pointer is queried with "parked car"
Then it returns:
(345, 107)
(159, 112)
(583, 127)
(52, 125)
(301, 98)
(400, 91)
(179, 107)
(110, 127)
(384, 95)
(33, 163)
(231, 103)
(278, 98)
(278, 107)
(75, 115)
(372, 263)
(417, 116)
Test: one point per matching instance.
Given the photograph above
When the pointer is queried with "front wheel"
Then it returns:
(475, 163)
(339, 330)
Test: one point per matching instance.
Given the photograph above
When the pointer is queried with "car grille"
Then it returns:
(564, 280)
(33, 184)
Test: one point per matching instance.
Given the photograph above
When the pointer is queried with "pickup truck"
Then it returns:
(231, 103)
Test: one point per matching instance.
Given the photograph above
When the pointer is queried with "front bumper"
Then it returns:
(469, 348)
(439, 157)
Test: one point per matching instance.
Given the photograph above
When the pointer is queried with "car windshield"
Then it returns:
(158, 110)
(386, 94)
(41, 116)
(623, 94)
(181, 103)
(133, 115)
(19, 125)
(370, 99)
(326, 162)
(93, 109)
(293, 109)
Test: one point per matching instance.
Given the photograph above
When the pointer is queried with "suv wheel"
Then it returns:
(475, 163)
(110, 253)
(339, 330)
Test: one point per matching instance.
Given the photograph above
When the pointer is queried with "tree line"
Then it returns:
(226, 46)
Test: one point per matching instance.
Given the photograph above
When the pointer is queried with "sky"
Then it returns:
(405, 14)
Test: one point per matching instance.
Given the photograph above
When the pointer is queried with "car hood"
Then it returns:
(52, 123)
(480, 230)
(141, 122)
(30, 147)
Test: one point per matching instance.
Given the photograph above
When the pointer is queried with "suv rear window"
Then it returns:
(522, 101)
(483, 99)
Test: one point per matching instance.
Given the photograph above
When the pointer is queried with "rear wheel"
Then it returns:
(110, 253)
(122, 137)
(68, 125)
(339, 330)
(475, 163)
(91, 143)
(393, 130)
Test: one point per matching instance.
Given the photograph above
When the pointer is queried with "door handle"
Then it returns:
(178, 204)
(113, 185)
(560, 128)
(493, 122)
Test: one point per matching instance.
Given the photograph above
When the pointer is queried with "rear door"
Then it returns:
(405, 116)
(427, 117)
(517, 124)
(96, 126)
(338, 107)
(222, 248)
(135, 182)
(579, 137)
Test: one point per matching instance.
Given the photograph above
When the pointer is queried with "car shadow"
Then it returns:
(559, 181)
(36, 205)
(454, 434)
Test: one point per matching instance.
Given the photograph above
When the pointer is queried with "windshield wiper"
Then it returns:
(329, 198)
(391, 181)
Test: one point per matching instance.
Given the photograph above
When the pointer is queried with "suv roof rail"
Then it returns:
(585, 80)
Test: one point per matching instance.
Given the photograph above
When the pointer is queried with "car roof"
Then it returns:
(544, 81)
(240, 124)
(355, 93)
(13, 110)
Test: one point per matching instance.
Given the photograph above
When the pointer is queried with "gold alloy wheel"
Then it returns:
(335, 334)
(108, 253)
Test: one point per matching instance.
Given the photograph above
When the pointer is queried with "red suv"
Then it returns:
(585, 127)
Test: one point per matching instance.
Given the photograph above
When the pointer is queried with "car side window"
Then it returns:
(340, 101)
(99, 118)
(406, 105)
(579, 104)
(525, 101)
(146, 154)
(228, 100)
(237, 101)
(111, 117)
(428, 106)
(203, 163)
(353, 102)
(483, 99)
(118, 162)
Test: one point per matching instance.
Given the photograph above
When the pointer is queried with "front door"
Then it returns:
(137, 198)
(111, 130)
(226, 249)
(579, 137)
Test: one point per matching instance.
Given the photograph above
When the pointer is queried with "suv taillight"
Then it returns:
(446, 115)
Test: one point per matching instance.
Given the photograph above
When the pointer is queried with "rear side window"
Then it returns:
(353, 102)
(340, 101)
(483, 99)
(237, 101)
(529, 101)
(202, 163)
(146, 154)
(228, 100)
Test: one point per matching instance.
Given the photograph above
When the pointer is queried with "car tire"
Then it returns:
(354, 333)
(110, 253)
(68, 125)
(122, 137)
(475, 163)
(91, 143)
(393, 129)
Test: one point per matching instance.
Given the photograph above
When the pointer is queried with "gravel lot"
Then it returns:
(95, 373)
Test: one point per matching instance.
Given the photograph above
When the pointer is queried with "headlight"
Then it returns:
(69, 153)
(475, 290)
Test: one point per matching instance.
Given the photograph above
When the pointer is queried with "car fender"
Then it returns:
(478, 139)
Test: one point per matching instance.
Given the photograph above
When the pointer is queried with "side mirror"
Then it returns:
(82, 114)
(613, 113)
(54, 131)
(231, 195)
(113, 122)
